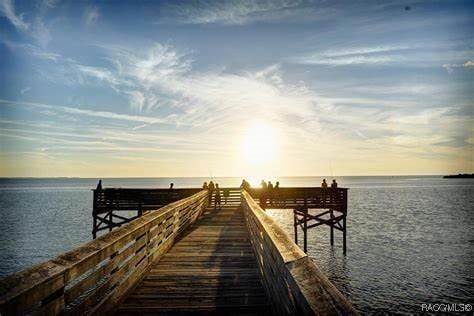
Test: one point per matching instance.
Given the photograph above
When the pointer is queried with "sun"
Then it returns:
(259, 143)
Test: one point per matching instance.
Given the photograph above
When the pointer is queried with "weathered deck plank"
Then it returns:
(211, 269)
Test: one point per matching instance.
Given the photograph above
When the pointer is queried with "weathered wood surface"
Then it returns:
(94, 277)
(293, 283)
(211, 269)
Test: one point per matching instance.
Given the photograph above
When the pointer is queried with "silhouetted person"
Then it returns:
(270, 191)
(99, 185)
(276, 192)
(217, 197)
(324, 185)
(263, 194)
(205, 186)
(334, 183)
(170, 193)
(211, 190)
(245, 185)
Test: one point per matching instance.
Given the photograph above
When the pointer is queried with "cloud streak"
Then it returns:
(91, 15)
(235, 12)
(7, 9)
(91, 113)
(468, 65)
(371, 55)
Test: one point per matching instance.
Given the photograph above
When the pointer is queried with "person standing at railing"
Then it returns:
(263, 194)
(217, 197)
(211, 190)
(245, 185)
(205, 186)
(324, 185)
(276, 193)
(270, 192)
(334, 184)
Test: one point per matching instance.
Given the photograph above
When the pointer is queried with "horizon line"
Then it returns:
(211, 177)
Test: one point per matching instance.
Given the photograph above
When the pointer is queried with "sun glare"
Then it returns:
(259, 143)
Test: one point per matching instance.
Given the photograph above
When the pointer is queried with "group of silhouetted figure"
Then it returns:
(268, 192)
(215, 190)
(324, 184)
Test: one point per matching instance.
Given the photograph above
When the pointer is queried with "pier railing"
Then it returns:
(293, 283)
(296, 197)
(111, 204)
(94, 277)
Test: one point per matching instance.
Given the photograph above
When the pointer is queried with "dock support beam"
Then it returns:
(333, 218)
(344, 235)
(332, 229)
(295, 226)
(305, 229)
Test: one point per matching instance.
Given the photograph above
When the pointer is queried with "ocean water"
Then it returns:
(410, 239)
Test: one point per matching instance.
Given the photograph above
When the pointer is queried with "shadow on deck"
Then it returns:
(211, 269)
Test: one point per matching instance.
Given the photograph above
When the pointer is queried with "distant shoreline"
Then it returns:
(460, 176)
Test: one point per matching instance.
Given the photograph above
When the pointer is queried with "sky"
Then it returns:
(235, 88)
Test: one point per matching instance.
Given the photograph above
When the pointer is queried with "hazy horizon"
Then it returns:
(241, 176)
(177, 88)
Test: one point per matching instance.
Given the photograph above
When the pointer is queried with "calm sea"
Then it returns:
(410, 239)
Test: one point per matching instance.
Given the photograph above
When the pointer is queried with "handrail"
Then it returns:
(293, 283)
(294, 197)
(94, 277)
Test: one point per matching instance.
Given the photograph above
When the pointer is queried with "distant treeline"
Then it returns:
(461, 175)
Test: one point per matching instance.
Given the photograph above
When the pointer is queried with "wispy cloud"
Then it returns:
(164, 79)
(25, 90)
(91, 15)
(101, 74)
(211, 100)
(469, 65)
(7, 9)
(235, 12)
(40, 32)
(366, 50)
(36, 27)
(33, 50)
(50, 3)
(91, 113)
(379, 54)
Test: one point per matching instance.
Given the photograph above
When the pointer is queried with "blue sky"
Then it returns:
(176, 88)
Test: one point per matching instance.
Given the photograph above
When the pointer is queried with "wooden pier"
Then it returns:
(184, 257)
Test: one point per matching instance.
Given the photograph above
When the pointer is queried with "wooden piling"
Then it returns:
(332, 229)
(324, 207)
